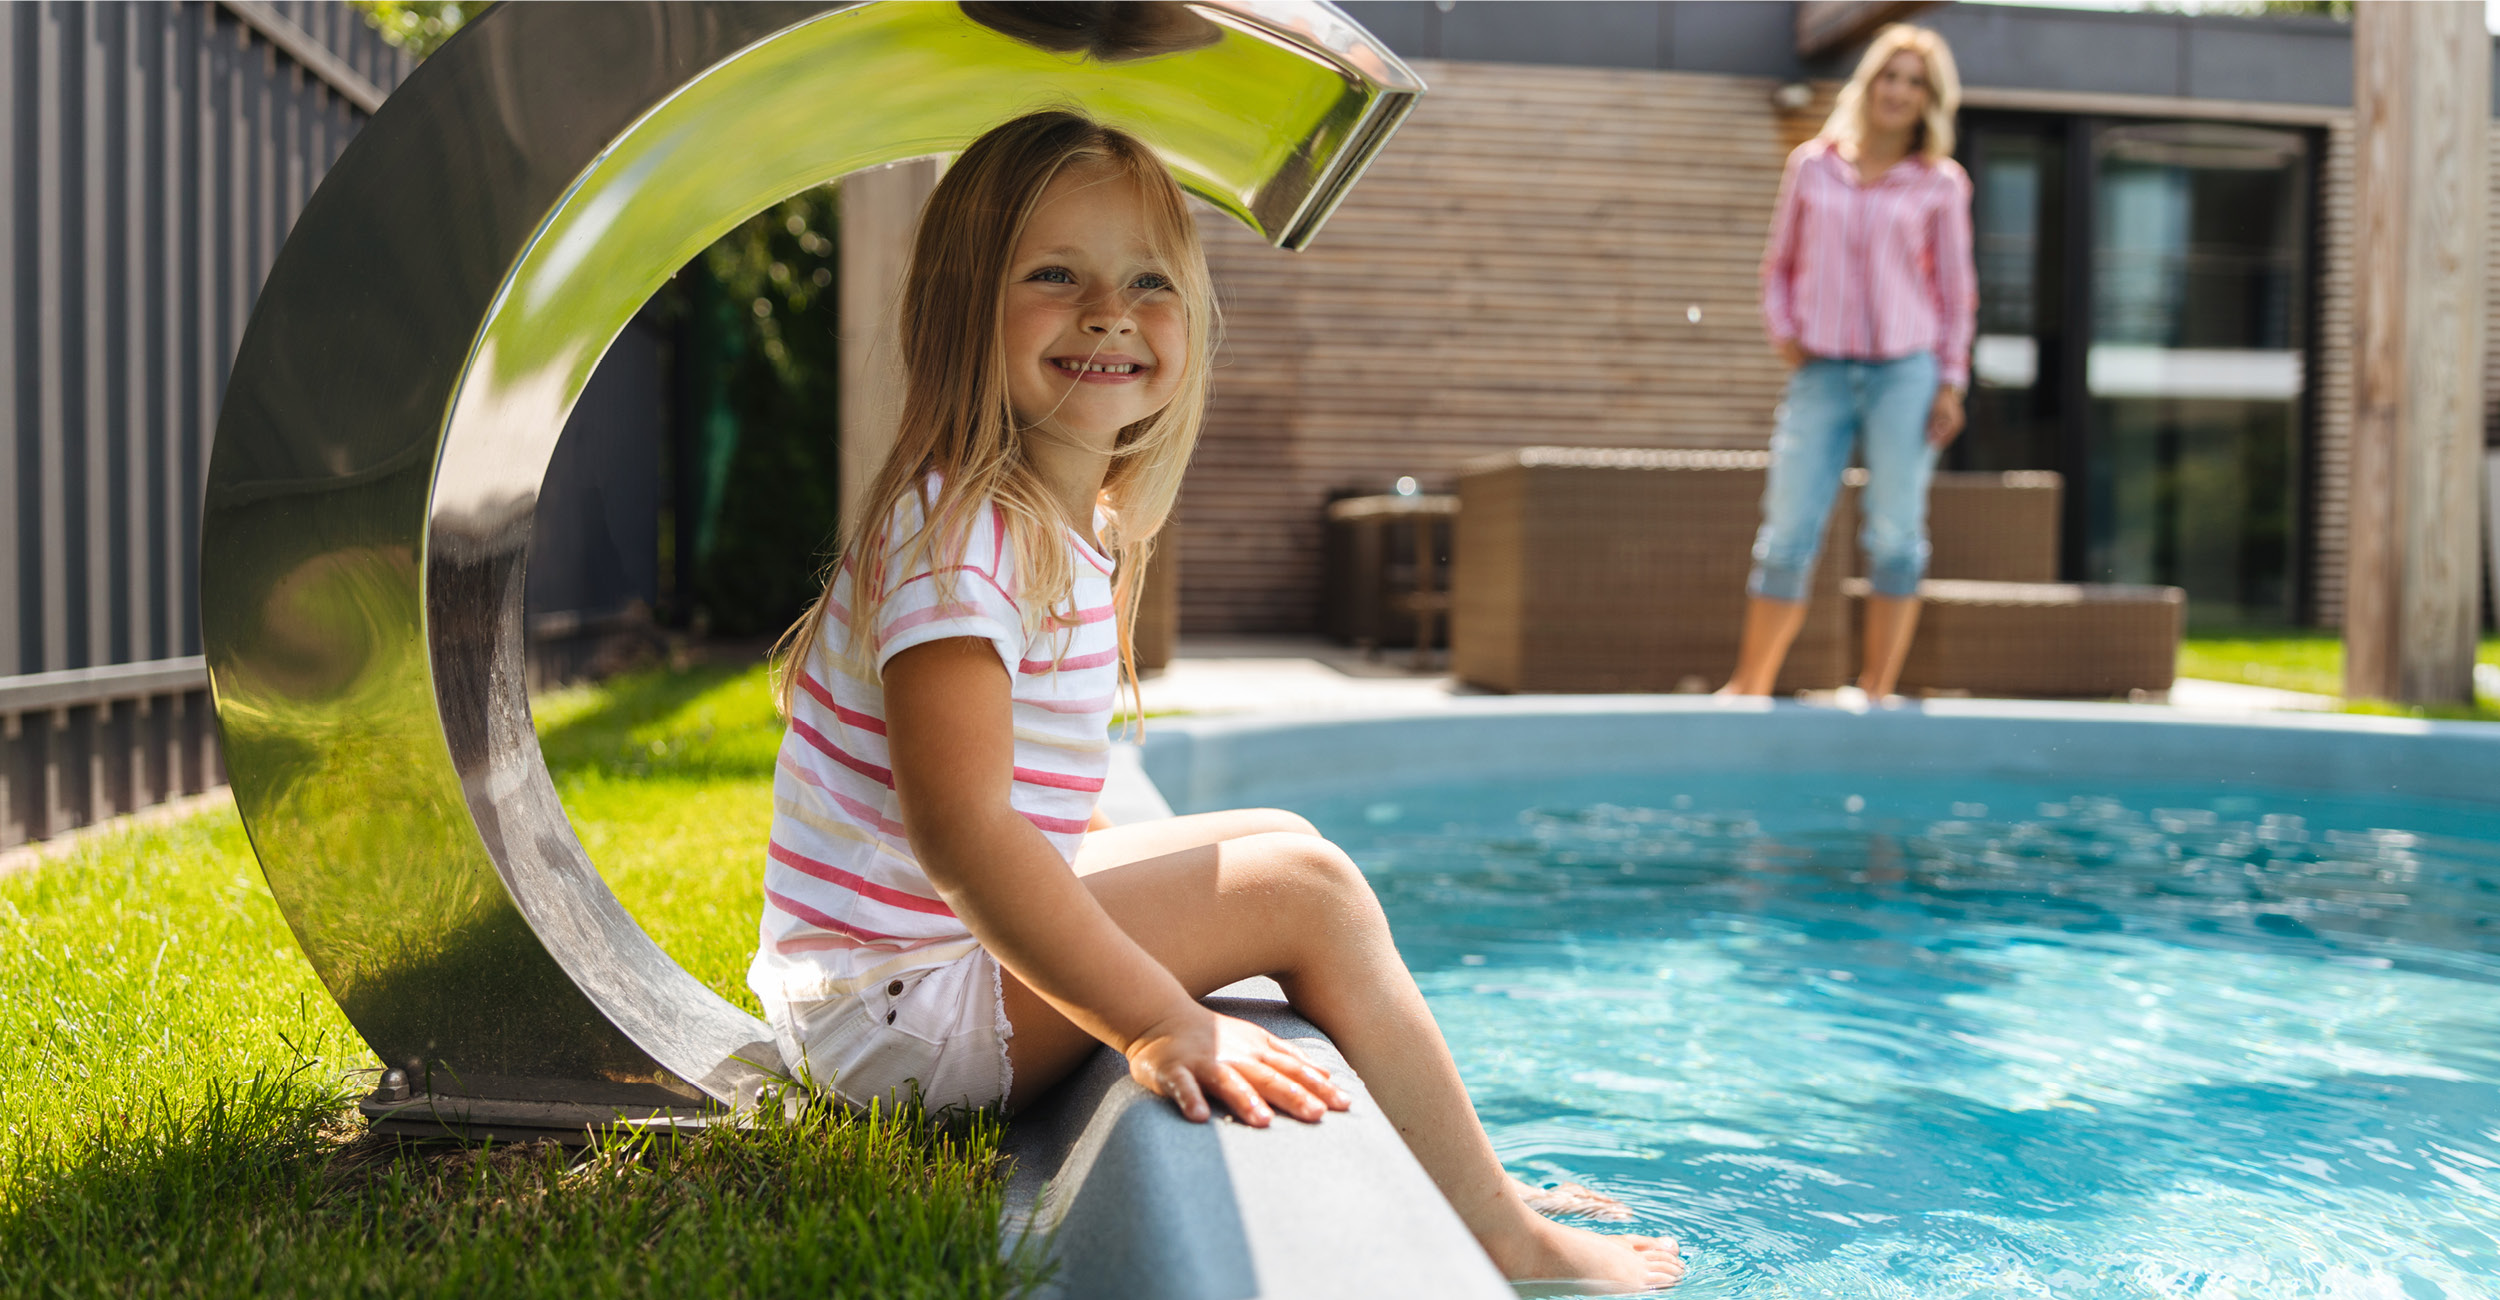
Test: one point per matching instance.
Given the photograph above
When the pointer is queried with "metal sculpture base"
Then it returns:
(397, 1109)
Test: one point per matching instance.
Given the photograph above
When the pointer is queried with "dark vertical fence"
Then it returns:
(157, 155)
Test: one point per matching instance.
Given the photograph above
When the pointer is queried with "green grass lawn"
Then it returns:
(174, 1081)
(2310, 662)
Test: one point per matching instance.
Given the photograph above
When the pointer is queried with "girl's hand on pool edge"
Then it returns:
(1199, 1056)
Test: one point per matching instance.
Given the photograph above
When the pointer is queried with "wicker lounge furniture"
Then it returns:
(1991, 527)
(2042, 638)
(1581, 570)
(1587, 570)
(1996, 620)
(1986, 527)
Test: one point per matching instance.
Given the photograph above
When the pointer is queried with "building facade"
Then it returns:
(1561, 246)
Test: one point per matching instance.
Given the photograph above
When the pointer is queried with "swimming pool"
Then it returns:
(1880, 1028)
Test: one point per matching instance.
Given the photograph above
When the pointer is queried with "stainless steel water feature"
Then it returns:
(416, 349)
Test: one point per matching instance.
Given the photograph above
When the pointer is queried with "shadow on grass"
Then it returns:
(701, 722)
(272, 1187)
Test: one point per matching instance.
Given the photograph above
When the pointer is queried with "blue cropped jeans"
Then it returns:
(1831, 405)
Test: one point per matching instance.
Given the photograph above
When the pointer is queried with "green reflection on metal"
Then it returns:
(417, 349)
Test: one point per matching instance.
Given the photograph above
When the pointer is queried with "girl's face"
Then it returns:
(1898, 96)
(1095, 333)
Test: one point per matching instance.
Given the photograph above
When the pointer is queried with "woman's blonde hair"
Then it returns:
(958, 425)
(1932, 138)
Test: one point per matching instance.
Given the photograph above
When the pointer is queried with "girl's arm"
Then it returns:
(951, 740)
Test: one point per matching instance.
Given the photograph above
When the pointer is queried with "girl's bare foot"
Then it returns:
(1598, 1264)
(1574, 1200)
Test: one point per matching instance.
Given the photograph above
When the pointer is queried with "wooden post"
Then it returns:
(2422, 108)
(880, 210)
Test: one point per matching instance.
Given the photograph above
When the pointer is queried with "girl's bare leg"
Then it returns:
(1121, 845)
(1291, 905)
(1770, 625)
(1890, 623)
(1138, 841)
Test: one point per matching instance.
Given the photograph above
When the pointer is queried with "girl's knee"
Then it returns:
(1276, 821)
(1314, 868)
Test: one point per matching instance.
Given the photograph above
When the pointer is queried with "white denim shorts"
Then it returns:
(941, 1031)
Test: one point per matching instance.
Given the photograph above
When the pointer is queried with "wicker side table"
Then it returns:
(1386, 582)
(1583, 570)
(2042, 638)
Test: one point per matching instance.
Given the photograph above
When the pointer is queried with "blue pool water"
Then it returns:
(1899, 1039)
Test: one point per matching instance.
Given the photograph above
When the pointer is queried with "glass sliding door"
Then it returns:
(2196, 368)
(2018, 199)
(2144, 320)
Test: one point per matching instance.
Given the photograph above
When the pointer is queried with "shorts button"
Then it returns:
(889, 1017)
(895, 989)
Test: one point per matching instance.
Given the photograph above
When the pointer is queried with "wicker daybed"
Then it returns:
(1595, 570)
(2041, 638)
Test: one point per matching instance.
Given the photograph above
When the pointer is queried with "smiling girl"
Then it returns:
(944, 909)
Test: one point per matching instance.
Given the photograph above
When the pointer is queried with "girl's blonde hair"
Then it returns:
(1932, 138)
(957, 423)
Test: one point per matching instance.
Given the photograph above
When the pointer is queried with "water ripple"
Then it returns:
(1897, 1039)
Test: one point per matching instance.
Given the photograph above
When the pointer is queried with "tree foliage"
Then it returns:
(764, 415)
(757, 415)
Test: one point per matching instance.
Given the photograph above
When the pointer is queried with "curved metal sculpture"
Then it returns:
(415, 352)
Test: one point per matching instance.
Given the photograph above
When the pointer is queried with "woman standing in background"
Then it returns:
(1870, 295)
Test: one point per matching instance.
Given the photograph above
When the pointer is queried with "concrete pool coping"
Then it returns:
(1142, 1203)
(1146, 1204)
(1201, 763)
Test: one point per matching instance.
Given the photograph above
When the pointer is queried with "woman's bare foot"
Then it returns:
(1574, 1200)
(1599, 1264)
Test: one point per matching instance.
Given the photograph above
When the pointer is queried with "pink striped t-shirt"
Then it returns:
(846, 904)
(1872, 272)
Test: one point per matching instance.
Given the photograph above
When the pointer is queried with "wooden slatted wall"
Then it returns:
(1519, 267)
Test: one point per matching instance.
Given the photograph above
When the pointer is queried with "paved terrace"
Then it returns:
(1301, 676)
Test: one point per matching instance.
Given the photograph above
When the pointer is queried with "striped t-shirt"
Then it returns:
(845, 901)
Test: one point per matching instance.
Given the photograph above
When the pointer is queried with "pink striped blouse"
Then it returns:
(846, 903)
(1872, 272)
